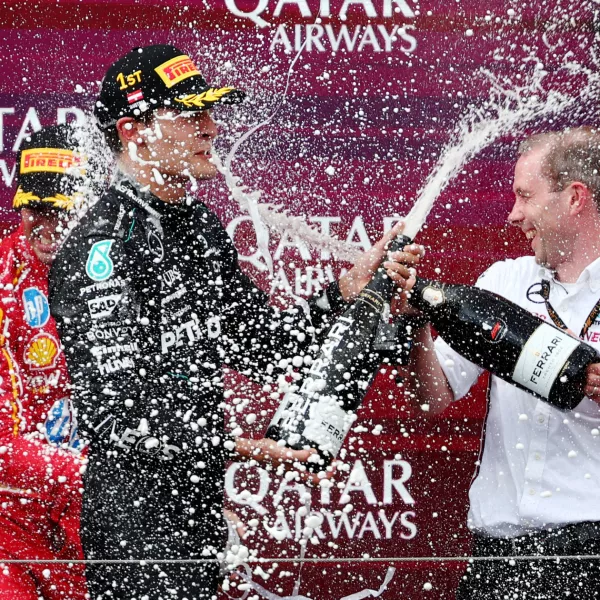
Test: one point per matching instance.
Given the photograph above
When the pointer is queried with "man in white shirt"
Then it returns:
(537, 489)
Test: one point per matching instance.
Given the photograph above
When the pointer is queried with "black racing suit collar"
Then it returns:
(143, 197)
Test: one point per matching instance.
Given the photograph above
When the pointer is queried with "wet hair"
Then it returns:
(571, 155)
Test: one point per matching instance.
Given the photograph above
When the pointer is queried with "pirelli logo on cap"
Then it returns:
(48, 160)
(177, 69)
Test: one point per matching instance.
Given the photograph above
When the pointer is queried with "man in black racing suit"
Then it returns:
(150, 303)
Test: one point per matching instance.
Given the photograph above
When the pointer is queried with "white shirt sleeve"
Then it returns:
(461, 373)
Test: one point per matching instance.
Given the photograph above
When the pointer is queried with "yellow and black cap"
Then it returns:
(48, 169)
(154, 77)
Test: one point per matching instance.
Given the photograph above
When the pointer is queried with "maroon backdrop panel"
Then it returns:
(373, 97)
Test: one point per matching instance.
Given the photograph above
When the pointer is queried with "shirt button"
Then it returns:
(538, 456)
(532, 492)
(541, 418)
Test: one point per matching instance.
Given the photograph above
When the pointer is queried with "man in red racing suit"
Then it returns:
(40, 461)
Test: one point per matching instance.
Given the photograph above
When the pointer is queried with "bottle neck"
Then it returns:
(427, 294)
(381, 286)
(398, 243)
(422, 283)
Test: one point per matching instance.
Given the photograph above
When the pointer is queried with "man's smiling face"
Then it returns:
(540, 210)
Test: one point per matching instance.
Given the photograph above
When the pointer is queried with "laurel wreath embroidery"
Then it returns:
(22, 198)
(198, 100)
(58, 201)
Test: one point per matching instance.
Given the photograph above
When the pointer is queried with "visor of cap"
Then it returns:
(206, 98)
(184, 98)
(46, 188)
(23, 199)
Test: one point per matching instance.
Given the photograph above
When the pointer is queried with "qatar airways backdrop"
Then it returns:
(374, 94)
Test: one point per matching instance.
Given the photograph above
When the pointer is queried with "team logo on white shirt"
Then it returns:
(534, 293)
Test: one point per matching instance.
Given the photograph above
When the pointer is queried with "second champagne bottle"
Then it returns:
(508, 341)
(320, 413)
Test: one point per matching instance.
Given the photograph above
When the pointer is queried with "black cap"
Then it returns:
(153, 77)
(49, 169)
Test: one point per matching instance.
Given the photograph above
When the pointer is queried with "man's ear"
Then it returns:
(128, 130)
(580, 197)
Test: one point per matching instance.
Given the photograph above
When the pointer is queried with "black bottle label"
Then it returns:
(314, 412)
(325, 426)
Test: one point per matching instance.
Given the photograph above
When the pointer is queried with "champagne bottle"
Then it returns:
(321, 412)
(508, 341)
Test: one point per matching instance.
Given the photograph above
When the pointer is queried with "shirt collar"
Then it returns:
(590, 275)
(164, 208)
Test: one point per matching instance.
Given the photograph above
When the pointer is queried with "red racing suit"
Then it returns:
(40, 460)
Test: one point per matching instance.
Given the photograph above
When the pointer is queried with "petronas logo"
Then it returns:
(99, 264)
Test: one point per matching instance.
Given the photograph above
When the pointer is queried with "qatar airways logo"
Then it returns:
(297, 276)
(385, 503)
(329, 32)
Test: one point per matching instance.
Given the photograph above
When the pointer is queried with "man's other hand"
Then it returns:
(592, 382)
(269, 452)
